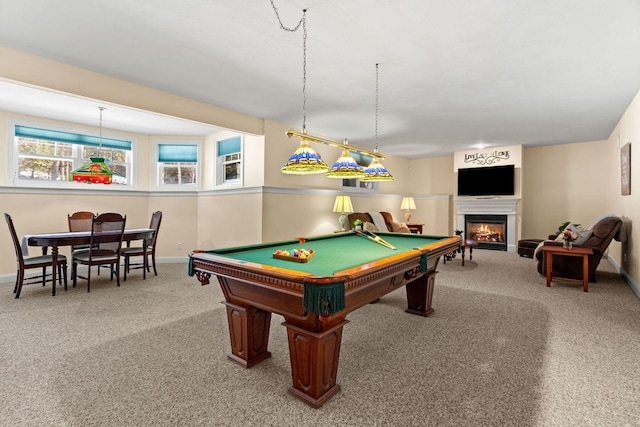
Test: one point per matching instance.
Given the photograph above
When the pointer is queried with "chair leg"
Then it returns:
(64, 272)
(153, 260)
(19, 280)
(89, 277)
(74, 272)
(117, 265)
(126, 267)
(44, 275)
(15, 288)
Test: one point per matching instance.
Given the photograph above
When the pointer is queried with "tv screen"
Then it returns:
(488, 181)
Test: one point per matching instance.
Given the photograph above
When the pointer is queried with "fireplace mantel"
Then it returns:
(491, 206)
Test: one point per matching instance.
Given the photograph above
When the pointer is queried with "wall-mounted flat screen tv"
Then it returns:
(487, 181)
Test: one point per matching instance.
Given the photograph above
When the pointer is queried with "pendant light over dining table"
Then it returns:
(97, 171)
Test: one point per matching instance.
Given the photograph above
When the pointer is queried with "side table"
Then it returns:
(415, 227)
(551, 250)
(467, 243)
(464, 243)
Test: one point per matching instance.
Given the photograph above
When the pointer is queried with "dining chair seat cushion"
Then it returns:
(134, 250)
(96, 257)
(43, 259)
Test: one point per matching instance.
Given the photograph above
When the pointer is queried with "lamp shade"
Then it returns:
(408, 203)
(342, 204)
(345, 167)
(376, 172)
(304, 161)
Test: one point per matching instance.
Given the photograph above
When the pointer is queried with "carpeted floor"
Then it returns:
(500, 349)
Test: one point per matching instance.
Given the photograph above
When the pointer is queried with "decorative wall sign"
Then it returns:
(486, 159)
(625, 169)
(492, 156)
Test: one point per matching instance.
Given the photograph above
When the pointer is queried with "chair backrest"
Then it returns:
(14, 237)
(80, 221)
(107, 223)
(156, 219)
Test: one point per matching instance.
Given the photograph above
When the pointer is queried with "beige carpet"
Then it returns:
(500, 349)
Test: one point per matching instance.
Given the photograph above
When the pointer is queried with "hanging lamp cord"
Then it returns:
(376, 149)
(100, 146)
(303, 22)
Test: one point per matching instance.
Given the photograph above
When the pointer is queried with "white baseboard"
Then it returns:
(11, 278)
(633, 285)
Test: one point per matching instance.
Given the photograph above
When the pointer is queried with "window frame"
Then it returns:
(13, 155)
(157, 177)
(220, 163)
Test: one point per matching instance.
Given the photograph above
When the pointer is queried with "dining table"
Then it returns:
(73, 238)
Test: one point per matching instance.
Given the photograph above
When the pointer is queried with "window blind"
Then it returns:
(177, 153)
(229, 146)
(71, 138)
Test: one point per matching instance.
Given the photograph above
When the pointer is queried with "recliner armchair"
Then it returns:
(603, 230)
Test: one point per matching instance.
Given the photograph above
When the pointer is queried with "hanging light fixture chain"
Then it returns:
(294, 29)
(376, 107)
(100, 146)
(303, 22)
(304, 70)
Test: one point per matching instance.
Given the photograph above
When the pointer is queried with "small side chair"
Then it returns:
(129, 252)
(107, 231)
(24, 263)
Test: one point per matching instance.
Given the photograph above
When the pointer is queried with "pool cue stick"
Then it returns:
(360, 233)
(379, 239)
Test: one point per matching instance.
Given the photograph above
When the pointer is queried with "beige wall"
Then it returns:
(568, 182)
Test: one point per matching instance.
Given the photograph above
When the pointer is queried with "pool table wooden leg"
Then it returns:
(249, 333)
(420, 294)
(314, 363)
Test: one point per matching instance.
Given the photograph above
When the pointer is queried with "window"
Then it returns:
(355, 183)
(229, 161)
(177, 164)
(47, 155)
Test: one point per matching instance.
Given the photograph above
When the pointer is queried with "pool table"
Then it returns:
(346, 272)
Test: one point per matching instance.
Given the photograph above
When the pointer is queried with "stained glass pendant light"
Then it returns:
(304, 161)
(375, 171)
(345, 166)
(96, 172)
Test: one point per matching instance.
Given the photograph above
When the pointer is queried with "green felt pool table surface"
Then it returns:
(333, 253)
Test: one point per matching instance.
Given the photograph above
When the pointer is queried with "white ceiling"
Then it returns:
(453, 74)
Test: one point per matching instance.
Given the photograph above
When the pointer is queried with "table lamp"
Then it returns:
(408, 204)
(342, 205)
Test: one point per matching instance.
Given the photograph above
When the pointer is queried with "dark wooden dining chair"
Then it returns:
(24, 263)
(134, 251)
(107, 231)
(80, 221)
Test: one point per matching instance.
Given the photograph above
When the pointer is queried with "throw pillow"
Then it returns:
(399, 227)
(368, 226)
(583, 237)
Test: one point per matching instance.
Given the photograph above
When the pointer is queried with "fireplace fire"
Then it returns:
(488, 230)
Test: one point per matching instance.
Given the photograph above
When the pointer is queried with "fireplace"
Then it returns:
(490, 207)
(490, 231)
